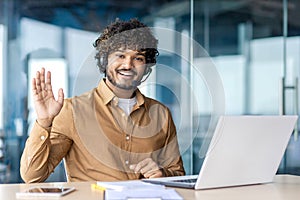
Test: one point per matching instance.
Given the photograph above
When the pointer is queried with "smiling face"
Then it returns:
(125, 69)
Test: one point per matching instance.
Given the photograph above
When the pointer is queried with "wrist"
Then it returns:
(45, 123)
(163, 172)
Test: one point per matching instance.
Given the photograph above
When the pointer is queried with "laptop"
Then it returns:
(244, 150)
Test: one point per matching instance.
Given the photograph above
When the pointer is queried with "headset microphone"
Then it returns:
(137, 83)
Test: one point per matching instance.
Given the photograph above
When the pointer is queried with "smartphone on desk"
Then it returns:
(45, 191)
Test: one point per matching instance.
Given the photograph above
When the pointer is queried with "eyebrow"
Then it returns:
(138, 53)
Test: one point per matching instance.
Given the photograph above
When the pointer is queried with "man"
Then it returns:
(112, 132)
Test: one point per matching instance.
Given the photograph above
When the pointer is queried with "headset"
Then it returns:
(147, 70)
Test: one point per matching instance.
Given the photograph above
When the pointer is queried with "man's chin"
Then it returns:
(124, 84)
(130, 86)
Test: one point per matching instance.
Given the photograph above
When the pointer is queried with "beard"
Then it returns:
(123, 86)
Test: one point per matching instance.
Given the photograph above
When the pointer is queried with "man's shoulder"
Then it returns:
(82, 98)
(150, 101)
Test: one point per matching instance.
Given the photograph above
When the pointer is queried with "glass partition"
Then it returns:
(216, 57)
(255, 47)
(2, 47)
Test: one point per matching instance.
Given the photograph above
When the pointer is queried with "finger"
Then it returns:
(154, 174)
(60, 98)
(141, 165)
(48, 78)
(42, 76)
(38, 82)
(48, 85)
(148, 168)
(33, 84)
(150, 174)
(132, 167)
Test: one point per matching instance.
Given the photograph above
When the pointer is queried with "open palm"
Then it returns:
(46, 106)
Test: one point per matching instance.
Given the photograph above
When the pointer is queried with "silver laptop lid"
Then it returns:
(245, 150)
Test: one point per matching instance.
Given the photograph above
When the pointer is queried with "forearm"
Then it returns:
(175, 169)
(35, 165)
(170, 158)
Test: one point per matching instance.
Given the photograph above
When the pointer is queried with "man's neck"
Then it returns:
(121, 93)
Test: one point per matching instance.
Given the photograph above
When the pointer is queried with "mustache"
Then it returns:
(127, 70)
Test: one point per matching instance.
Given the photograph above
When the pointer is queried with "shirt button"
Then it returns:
(126, 162)
(42, 137)
(127, 137)
(116, 101)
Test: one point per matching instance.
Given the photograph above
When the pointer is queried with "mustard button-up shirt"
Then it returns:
(99, 141)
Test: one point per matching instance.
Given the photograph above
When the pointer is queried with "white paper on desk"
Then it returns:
(127, 185)
(142, 194)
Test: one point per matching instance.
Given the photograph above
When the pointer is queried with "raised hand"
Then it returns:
(148, 168)
(46, 106)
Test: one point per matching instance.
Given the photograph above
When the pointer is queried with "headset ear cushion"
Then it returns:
(102, 64)
(101, 60)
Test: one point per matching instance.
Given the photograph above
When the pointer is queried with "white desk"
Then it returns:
(284, 187)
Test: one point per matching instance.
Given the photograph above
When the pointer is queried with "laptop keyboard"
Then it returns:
(190, 180)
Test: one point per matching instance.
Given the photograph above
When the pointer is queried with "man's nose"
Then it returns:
(127, 63)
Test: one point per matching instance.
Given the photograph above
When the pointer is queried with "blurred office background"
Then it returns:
(253, 45)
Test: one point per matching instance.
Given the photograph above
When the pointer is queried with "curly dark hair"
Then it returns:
(132, 35)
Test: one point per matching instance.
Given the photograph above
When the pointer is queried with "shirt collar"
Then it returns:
(140, 98)
(107, 95)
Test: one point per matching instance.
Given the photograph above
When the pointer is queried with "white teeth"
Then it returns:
(126, 73)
